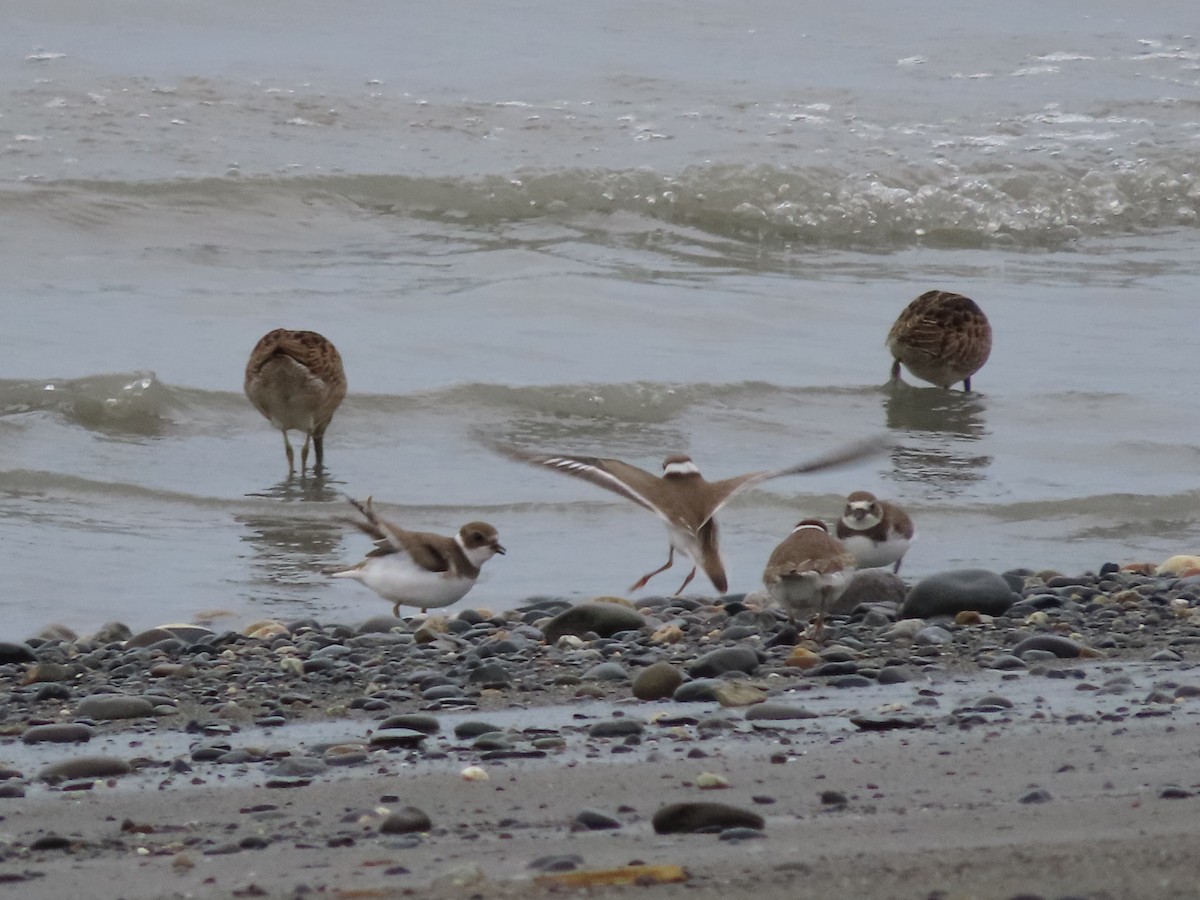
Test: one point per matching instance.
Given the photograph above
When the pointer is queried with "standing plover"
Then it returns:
(808, 571)
(876, 532)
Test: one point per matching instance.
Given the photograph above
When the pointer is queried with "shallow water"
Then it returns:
(625, 231)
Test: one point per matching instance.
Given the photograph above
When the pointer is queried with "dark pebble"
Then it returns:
(657, 681)
(886, 723)
(115, 706)
(397, 737)
(690, 818)
(592, 820)
(1062, 647)
(405, 821)
(85, 767)
(949, 593)
(725, 659)
(565, 862)
(1038, 795)
(700, 689)
(604, 619)
(473, 729)
(421, 722)
(776, 711)
(15, 653)
(58, 734)
(833, 798)
(617, 728)
(50, 841)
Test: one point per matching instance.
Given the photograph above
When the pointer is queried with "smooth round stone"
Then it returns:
(490, 675)
(657, 681)
(773, 710)
(949, 593)
(493, 740)
(15, 653)
(608, 671)
(605, 619)
(473, 729)
(850, 681)
(381, 624)
(416, 721)
(561, 862)
(826, 670)
(190, 634)
(148, 637)
(405, 821)
(725, 659)
(869, 586)
(617, 728)
(1006, 662)
(85, 767)
(593, 820)
(58, 734)
(115, 706)
(693, 817)
(397, 737)
(1061, 647)
(1038, 795)
(932, 636)
(12, 789)
(698, 690)
(442, 692)
(298, 767)
(897, 675)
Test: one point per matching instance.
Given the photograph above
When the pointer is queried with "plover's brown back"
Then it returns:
(941, 337)
(296, 380)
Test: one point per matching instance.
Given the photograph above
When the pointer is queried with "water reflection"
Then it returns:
(941, 428)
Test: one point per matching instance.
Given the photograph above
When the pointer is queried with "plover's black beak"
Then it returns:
(499, 549)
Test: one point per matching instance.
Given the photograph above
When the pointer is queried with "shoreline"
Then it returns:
(958, 773)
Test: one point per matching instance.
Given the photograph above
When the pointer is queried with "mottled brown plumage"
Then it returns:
(941, 337)
(808, 571)
(296, 380)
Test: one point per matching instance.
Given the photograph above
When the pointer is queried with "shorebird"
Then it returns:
(415, 568)
(296, 380)
(875, 532)
(683, 499)
(808, 571)
(941, 337)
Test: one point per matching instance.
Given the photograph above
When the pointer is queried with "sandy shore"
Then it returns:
(1061, 778)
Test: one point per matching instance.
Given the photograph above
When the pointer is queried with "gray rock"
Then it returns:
(932, 636)
(421, 722)
(949, 593)
(1061, 647)
(897, 675)
(698, 690)
(490, 675)
(870, 586)
(142, 639)
(773, 710)
(657, 681)
(66, 733)
(606, 671)
(617, 728)
(115, 632)
(725, 659)
(298, 767)
(15, 653)
(593, 820)
(115, 706)
(473, 729)
(405, 821)
(690, 818)
(379, 625)
(85, 767)
(397, 737)
(605, 619)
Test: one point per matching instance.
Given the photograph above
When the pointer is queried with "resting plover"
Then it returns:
(876, 532)
(808, 571)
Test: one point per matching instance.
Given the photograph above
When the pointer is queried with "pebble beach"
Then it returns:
(975, 734)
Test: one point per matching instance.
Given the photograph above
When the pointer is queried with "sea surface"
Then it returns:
(616, 228)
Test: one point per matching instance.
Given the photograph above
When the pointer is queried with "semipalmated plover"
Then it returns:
(808, 571)
(876, 532)
(683, 499)
(414, 568)
(296, 380)
(941, 337)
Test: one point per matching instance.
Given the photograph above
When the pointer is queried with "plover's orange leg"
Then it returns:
(686, 581)
(641, 582)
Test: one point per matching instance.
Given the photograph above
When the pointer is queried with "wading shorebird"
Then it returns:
(941, 337)
(296, 380)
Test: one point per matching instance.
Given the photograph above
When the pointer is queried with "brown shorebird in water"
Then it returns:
(941, 337)
(296, 380)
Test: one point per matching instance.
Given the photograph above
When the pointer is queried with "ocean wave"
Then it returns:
(1043, 205)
